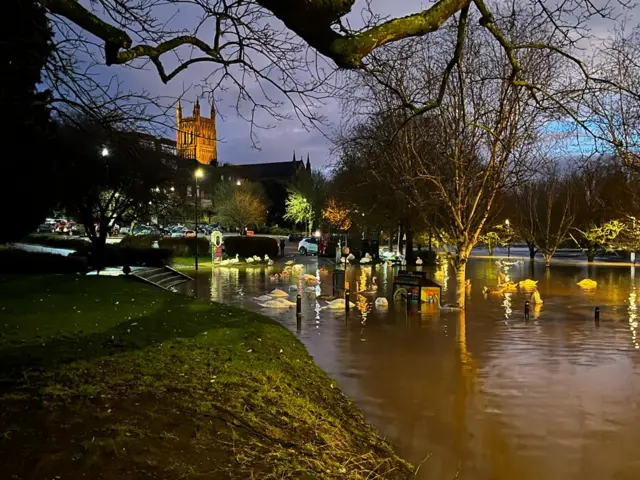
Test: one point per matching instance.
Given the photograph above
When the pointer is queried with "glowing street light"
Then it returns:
(104, 152)
(238, 183)
(199, 173)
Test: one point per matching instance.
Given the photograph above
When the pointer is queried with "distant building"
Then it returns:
(196, 135)
(195, 147)
(275, 177)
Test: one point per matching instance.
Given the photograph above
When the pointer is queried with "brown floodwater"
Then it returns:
(481, 394)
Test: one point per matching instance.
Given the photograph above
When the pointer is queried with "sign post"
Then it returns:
(216, 246)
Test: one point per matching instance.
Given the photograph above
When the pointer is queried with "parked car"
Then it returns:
(308, 245)
(66, 227)
(295, 237)
(178, 232)
(48, 226)
(189, 234)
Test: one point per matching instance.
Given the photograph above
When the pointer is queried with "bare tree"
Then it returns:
(545, 211)
(243, 41)
(109, 175)
(601, 199)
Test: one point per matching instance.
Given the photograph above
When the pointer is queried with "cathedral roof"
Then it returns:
(267, 171)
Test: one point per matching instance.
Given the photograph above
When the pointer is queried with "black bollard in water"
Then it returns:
(596, 314)
(347, 294)
(526, 310)
(299, 311)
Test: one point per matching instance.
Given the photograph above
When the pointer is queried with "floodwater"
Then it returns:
(482, 394)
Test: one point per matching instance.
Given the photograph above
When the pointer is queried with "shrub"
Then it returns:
(186, 247)
(139, 241)
(250, 246)
(117, 256)
(277, 230)
(15, 261)
(59, 241)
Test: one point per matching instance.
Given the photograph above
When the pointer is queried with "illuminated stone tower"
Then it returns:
(196, 135)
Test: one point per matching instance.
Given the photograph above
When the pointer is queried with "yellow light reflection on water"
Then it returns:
(507, 306)
(442, 275)
(633, 317)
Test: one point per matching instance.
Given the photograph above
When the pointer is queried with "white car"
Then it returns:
(308, 245)
(178, 232)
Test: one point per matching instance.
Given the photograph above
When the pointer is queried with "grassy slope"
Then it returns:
(108, 378)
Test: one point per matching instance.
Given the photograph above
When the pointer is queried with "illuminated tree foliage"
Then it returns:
(336, 215)
(299, 210)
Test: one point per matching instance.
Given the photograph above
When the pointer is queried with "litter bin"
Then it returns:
(375, 249)
(338, 281)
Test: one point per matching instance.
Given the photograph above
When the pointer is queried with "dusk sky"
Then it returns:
(285, 136)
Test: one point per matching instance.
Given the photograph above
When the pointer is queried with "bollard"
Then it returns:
(346, 300)
(596, 314)
(299, 311)
(526, 310)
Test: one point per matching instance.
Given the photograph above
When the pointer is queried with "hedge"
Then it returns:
(250, 246)
(186, 247)
(139, 241)
(59, 241)
(117, 256)
(15, 261)
(179, 247)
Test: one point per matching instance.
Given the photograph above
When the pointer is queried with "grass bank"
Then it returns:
(105, 378)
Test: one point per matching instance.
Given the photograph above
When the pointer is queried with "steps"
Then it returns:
(163, 277)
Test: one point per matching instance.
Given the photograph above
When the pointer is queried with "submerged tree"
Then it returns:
(545, 211)
(477, 145)
(600, 201)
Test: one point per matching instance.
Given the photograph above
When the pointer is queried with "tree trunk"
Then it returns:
(490, 248)
(400, 240)
(547, 258)
(591, 254)
(532, 250)
(409, 255)
(461, 270)
(99, 247)
(390, 242)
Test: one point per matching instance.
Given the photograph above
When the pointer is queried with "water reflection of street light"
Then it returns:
(199, 173)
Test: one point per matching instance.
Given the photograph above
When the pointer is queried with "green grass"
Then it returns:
(108, 378)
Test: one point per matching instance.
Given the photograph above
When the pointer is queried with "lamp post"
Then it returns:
(197, 174)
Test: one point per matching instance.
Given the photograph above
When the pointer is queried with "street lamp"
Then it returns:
(197, 174)
(238, 183)
(506, 222)
(104, 152)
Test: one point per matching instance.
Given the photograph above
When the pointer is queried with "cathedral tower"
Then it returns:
(196, 135)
